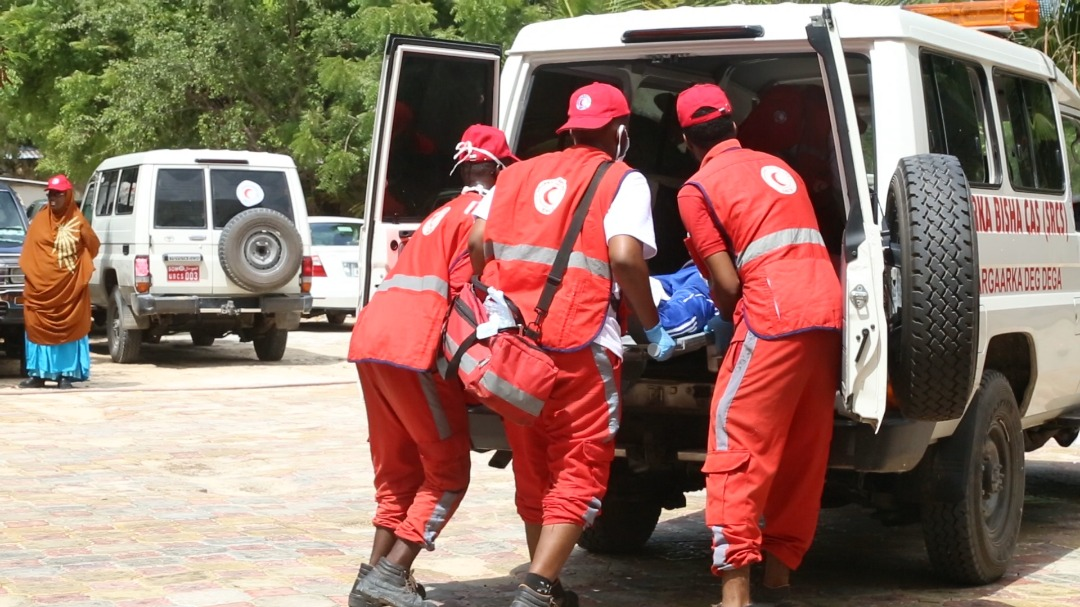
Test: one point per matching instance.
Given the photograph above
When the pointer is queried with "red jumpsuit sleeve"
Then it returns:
(704, 237)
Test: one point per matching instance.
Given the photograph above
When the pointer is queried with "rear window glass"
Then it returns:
(955, 94)
(89, 199)
(107, 193)
(236, 191)
(12, 229)
(180, 199)
(1029, 127)
(125, 197)
(335, 234)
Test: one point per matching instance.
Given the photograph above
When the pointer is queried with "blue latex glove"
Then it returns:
(665, 346)
(721, 331)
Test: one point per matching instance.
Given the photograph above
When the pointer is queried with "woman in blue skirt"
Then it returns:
(58, 260)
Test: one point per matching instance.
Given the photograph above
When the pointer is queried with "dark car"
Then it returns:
(34, 207)
(13, 226)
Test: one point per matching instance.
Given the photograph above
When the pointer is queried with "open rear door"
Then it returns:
(431, 91)
(864, 367)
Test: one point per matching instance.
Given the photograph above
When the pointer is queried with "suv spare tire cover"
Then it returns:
(932, 288)
(260, 250)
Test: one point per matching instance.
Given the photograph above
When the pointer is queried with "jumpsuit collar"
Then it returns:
(724, 146)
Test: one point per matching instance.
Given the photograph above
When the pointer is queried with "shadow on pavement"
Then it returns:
(855, 561)
(179, 353)
(315, 326)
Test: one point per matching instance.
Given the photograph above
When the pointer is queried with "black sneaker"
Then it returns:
(64, 384)
(389, 585)
(32, 382)
(527, 597)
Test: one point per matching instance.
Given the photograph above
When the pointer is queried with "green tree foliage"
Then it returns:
(90, 79)
(1058, 34)
(87, 79)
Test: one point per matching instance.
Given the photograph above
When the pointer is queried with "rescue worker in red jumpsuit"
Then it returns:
(752, 226)
(561, 463)
(416, 420)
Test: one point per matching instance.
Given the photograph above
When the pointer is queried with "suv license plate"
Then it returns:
(182, 273)
(351, 268)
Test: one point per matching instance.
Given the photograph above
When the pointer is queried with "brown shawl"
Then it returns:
(58, 260)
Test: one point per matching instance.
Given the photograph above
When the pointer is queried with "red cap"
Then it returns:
(58, 183)
(594, 106)
(701, 96)
(483, 143)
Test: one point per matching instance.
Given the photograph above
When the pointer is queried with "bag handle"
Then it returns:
(562, 258)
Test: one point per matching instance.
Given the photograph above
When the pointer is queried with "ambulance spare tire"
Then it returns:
(932, 288)
(260, 250)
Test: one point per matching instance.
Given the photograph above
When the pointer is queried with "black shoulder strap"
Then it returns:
(562, 259)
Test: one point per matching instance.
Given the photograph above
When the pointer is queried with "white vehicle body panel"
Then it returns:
(1044, 311)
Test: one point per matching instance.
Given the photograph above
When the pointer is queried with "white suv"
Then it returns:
(945, 177)
(208, 242)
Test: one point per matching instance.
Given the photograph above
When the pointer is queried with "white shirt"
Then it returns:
(630, 214)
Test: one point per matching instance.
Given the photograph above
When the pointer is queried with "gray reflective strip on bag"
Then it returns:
(778, 240)
(497, 385)
(416, 283)
(511, 394)
(468, 363)
(546, 256)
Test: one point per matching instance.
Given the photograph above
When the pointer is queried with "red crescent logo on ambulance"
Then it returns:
(549, 194)
(779, 179)
(249, 193)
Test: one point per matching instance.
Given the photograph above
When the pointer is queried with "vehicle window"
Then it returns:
(89, 199)
(12, 227)
(125, 198)
(107, 192)
(956, 115)
(1029, 129)
(438, 98)
(780, 104)
(1072, 148)
(180, 199)
(546, 111)
(335, 234)
(235, 191)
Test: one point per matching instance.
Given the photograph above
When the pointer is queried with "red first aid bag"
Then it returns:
(507, 371)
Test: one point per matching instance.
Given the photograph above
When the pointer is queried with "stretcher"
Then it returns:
(683, 345)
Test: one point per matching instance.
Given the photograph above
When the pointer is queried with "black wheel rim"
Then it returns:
(114, 329)
(995, 471)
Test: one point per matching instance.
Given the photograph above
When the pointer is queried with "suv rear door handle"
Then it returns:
(198, 237)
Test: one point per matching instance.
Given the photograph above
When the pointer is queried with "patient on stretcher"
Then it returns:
(686, 308)
(683, 301)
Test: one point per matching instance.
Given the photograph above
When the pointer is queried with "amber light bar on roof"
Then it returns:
(1014, 14)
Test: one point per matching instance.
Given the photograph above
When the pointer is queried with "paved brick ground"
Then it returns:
(157, 485)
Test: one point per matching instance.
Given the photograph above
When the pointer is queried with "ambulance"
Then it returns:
(944, 164)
